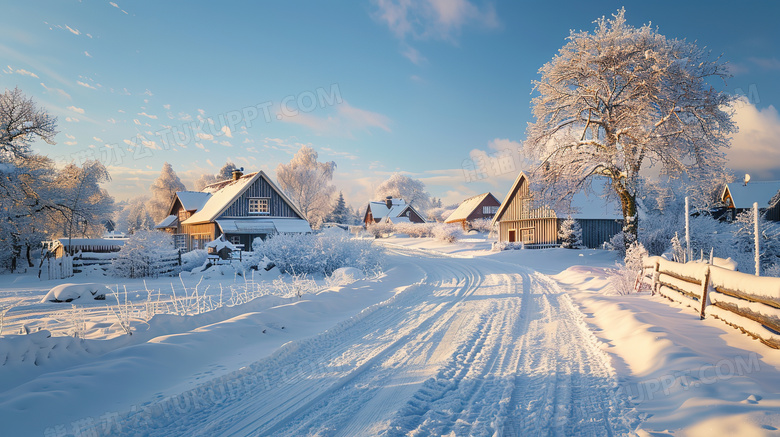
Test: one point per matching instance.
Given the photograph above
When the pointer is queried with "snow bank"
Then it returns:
(751, 286)
(71, 292)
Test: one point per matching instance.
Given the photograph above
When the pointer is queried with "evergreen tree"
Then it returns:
(570, 234)
(340, 213)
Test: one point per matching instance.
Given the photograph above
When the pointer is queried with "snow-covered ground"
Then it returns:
(451, 340)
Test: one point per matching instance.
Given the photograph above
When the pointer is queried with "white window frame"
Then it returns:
(489, 210)
(178, 239)
(258, 204)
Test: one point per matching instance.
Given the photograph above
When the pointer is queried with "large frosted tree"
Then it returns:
(162, 191)
(403, 187)
(620, 99)
(307, 183)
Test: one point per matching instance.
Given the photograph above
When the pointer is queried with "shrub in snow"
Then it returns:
(617, 244)
(483, 225)
(504, 245)
(570, 234)
(416, 230)
(193, 259)
(344, 276)
(319, 254)
(146, 254)
(378, 230)
(447, 233)
(624, 277)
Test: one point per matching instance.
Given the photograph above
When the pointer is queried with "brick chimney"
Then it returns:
(237, 173)
(389, 201)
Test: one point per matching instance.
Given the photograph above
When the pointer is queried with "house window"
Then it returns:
(259, 205)
(180, 241)
(489, 210)
(198, 241)
(235, 239)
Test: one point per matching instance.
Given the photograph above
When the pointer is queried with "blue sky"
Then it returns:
(422, 87)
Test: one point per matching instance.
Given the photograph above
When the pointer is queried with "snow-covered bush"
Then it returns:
(616, 243)
(624, 277)
(192, 259)
(319, 254)
(146, 254)
(505, 245)
(416, 230)
(482, 225)
(378, 230)
(447, 233)
(570, 234)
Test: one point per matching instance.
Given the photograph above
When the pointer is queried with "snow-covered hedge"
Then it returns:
(192, 259)
(447, 233)
(146, 254)
(319, 253)
(416, 230)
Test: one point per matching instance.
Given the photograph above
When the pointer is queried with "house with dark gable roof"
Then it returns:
(242, 208)
(740, 196)
(483, 206)
(391, 211)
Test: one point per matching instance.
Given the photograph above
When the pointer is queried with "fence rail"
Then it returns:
(746, 302)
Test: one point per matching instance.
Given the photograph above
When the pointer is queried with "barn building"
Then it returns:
(519, 221)
(483, 206)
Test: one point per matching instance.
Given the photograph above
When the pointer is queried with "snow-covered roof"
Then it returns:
(167, 222)
(379, 209)
(223, 194)
(221, 243)
(193, 200)
(77, 243)
(291, 225)
(744, 196)
(466, 208)
(593, 206)
(263, 225)
(396, 220)
(583, 205)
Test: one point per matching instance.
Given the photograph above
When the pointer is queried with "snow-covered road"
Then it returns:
(478, 347)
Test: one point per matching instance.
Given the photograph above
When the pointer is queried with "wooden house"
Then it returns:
(391, 210)
(519, 221)
(739, 197)
(242, 208)
(483, 206)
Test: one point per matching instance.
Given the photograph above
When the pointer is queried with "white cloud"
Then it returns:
(205, 137)
(72, 119)
(86, 53)
(754, 148)
(225, 143)
(150, 144)
(85, 85)
(114, 4)
(413, 55)
(70, 143)
(72, 30)
(153, 117)
(69, 136)
(347, 119)
(433, 19)
(201, 112)
(21, 71)
(226, 131)
(111, 120)
(97, 139)
(167, 106)
(129, 143)
(56, 91)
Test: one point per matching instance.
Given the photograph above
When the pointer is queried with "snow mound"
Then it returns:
(346, 275)
(71, 292)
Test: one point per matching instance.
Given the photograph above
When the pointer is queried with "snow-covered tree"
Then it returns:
(145, 254)
(340, 213)
(204, 180)
(224, 173)
(21, 122)
(86, 205)
(307, 183)
(162, 191)
(570, 234)
(620, 99)
(404, 187)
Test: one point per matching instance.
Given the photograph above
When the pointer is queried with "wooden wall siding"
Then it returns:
(477, 213)
(597, 231)
(545, 230)
(413, 217)
(202, 228)
(519, 207)
(260, 188)
(773, 213)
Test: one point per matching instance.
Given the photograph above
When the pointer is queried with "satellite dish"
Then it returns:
(747, 178)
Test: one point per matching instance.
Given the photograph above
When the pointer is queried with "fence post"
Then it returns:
(755, 233)
(705, 283)
(656, 273)
(688, 251)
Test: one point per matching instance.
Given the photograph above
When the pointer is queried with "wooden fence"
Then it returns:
(746, 302)
(56, 268)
